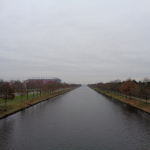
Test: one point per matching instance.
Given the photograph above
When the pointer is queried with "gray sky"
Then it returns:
(78, 41)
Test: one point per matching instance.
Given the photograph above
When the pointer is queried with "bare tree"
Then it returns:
(146, 87)
(7, 92)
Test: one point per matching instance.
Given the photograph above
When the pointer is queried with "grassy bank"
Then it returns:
(133, 102)
(16, 106)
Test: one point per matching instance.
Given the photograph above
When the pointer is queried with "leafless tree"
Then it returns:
(7, 92)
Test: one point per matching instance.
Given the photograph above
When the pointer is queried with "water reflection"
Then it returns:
(81, 119)
(6, 132)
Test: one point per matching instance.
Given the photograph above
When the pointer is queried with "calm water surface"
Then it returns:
(79, 120)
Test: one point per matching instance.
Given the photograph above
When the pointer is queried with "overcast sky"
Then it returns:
(78, 41)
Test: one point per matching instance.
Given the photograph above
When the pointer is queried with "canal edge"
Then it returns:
(120, 100)
(21, 109)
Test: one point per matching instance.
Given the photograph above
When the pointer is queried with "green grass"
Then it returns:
(24, 97)
(15, 105)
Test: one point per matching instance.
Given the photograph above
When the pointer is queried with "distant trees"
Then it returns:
(6, 92)
(29, 89)
(1, 93)
(19, 88)
(22, 90)
(128, 87)
(146, 88)
(115, 85)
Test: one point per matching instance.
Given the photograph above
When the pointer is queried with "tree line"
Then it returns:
(129, 87)
(10, 89)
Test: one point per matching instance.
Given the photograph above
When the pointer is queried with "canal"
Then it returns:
(78, 120)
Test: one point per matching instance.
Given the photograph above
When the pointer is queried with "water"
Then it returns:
(79, 120)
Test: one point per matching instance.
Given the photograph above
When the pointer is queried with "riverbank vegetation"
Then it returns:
(129, 91)
(16, 106)
(16, 95)
(142, 105)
